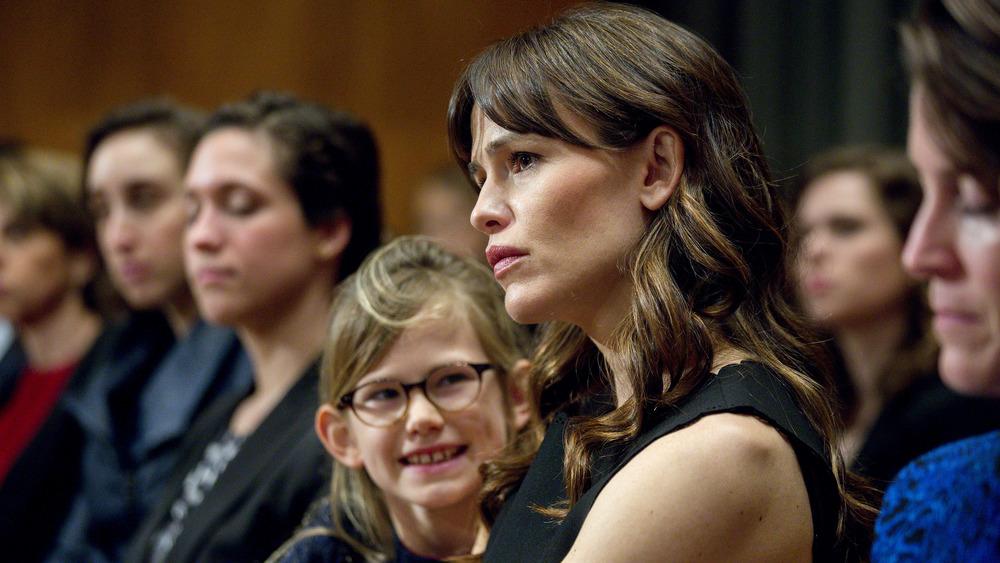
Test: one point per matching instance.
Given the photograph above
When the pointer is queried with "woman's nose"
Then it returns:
(119, 231)
(930, 247)
(203, 231)
(491, 213)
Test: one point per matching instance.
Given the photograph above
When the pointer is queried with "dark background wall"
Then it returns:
(817, 72)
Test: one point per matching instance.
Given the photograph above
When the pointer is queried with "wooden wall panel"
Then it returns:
(63, 64)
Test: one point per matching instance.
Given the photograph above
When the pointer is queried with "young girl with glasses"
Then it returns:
(418, 388)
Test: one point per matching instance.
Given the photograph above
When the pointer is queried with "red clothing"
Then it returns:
(22, 417)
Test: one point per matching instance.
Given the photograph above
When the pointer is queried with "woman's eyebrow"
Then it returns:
(494, 147)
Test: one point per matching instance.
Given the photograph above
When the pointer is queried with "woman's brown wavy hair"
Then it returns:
(711, 269)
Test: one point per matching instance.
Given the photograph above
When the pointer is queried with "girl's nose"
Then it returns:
(421, 414)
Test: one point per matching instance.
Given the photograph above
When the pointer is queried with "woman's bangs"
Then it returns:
(515, 92)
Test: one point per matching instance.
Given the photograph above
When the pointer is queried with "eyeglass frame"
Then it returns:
(347, 399)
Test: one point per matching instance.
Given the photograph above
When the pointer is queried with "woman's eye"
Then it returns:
(18, 231)
(241, 202)
(191, 208)
(144, 197)
(522, 161)
(844, 226)
(974, 199)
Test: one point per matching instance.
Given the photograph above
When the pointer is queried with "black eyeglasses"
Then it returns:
(383, 403)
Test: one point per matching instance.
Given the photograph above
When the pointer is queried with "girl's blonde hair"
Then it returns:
(407, 282)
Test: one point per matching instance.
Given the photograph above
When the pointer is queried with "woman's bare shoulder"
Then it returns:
(726, 488)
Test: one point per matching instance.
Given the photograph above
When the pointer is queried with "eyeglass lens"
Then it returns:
(449, 388)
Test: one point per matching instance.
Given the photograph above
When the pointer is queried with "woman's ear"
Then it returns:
(333, 235)
(336, 436)
(520, 405)
(663, 151)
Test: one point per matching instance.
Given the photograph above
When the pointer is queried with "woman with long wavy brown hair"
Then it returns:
(630, 209)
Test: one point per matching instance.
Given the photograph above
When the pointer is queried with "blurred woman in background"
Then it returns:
(854, 209)
(49, 291)
(166, 364)
(281, 200)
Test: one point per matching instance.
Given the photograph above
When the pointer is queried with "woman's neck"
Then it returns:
(604, 317)
(436, 533)
(868, 346)
(62, 336)
(281, 346)
(181, 313)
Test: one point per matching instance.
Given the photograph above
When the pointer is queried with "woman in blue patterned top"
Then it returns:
(945, 506)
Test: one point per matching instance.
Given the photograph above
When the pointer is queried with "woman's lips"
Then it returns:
(954, 321)
(814, 285)
(212, 276)
(134, 273)
(502, 258)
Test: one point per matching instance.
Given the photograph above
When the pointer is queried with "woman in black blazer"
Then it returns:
(282, 201)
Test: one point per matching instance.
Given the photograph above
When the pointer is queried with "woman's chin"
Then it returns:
(970, 373)
(527, 311)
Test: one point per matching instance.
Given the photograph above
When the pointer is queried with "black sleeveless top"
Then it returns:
(522, 534)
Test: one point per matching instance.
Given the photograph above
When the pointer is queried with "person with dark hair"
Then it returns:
(49, 291)
(855, 206)
(945, 505)
(629, 207)
(166, 365)
(281, 200)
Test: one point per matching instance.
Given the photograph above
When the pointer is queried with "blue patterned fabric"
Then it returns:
(944, 506)
(327, 548)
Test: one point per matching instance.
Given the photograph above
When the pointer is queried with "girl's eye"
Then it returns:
(379, 393)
